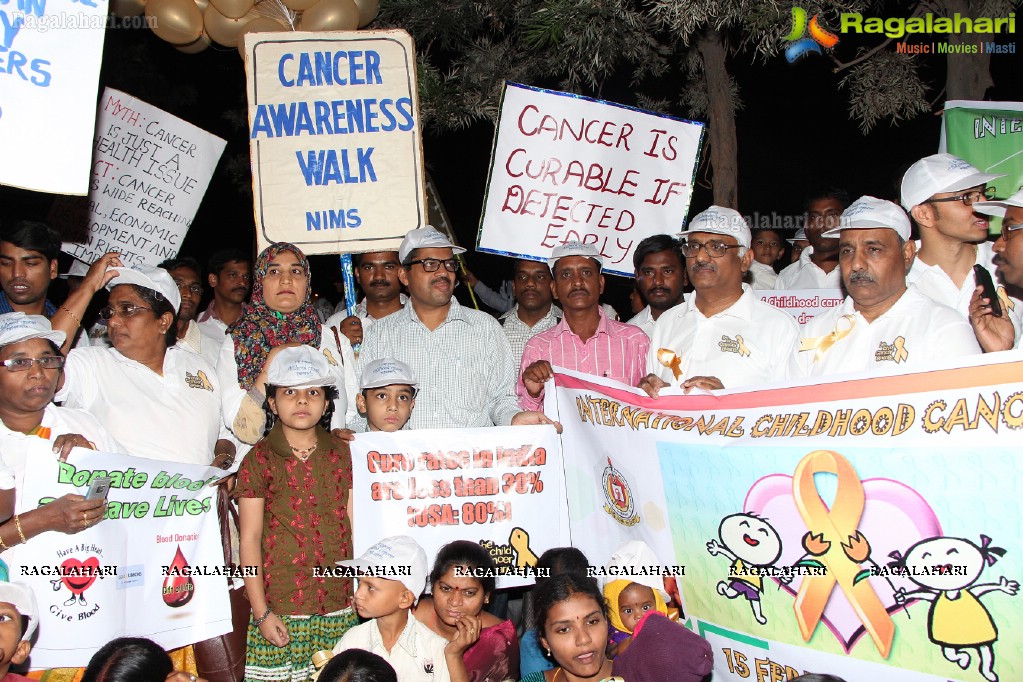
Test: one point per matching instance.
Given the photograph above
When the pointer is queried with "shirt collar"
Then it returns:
(209, 314)
(513, 315)
(279, 444)
(562, 326)
(361, 311)
(455, 312)
(741, 309)
(406, 640)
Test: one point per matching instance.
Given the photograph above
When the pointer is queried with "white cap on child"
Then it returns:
(300, 367)
(18, 327)
(634, 554)
(387, 371)
(23, 599)
(401, 553)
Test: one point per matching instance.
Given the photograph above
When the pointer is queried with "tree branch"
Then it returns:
(918, 11)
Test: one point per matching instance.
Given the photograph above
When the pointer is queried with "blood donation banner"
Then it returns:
(802, 304)
(499, 486)
(867, 527)
(154, 567)
(335, 139)
(567, 167)
(50, 53)
(149, 174)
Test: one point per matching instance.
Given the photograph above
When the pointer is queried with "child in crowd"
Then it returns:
(294, 494)
(416, 653)
(554, 561)
(628, 601)
(388, 394)
(18, 619)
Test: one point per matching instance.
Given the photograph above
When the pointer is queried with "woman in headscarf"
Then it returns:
(279, 315)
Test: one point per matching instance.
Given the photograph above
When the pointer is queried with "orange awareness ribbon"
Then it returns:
(1003, 296)
(901, 354)
(669, 359)
(833, 527)
(823, 343)
(743, 350)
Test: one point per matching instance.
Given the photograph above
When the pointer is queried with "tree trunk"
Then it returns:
(968, 75)
(724, 150)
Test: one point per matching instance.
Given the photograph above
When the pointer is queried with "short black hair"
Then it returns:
(329, 392)
(160, 305)
(837, 193)
(560, 588)
(357, 665)
(219, 260)
(33, 235)
(470, 555)
(129, 659)
(656, 244)
(357, 258)
(183, 262)
(558, 560)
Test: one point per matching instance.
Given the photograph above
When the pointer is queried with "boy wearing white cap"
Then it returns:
(996, 332)
(394, 574)
(941, 193)
(19, 617)
(882, 325)
(388, 394)
(721, 336)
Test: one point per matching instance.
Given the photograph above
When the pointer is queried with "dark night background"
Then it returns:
(794, 133)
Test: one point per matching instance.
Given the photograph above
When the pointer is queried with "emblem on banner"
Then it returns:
(78, 569)
(620, 503)
(178, 587)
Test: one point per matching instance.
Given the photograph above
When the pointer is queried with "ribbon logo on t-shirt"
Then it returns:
(198, 380)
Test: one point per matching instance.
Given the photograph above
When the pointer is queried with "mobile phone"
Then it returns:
(983, 278)
(99, 488)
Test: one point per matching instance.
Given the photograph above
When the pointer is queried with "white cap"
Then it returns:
(77, 269)
(154, 279)
(1000, 206)
(18, 327)
(867, 213)
(800, 236)
(939, 173)
(300, 367)
(634, 554)
(385, 372)
(401, 553)
(720, 220)
(23, 599)
(425, 238)
(574, 249)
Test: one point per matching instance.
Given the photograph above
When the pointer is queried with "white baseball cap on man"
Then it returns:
(425, 238)
(300, 367)
(799, 236)
(720, 220)
(868, 213)
(154, 279)
(400, 558)
(939, 173)
(386, 372)
(574, 248)
(17, 327)
(23, 599)
(998, 207)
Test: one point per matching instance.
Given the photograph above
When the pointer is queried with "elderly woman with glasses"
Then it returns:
(159, 400)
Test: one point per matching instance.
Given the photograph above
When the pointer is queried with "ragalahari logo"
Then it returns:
(802, 45)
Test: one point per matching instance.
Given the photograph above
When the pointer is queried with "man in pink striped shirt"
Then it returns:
(585, 340)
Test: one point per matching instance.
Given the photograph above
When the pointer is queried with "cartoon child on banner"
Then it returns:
(947, 570)
(753, 546)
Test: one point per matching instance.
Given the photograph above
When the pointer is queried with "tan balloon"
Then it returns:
(127, 8)
(258, 25)
(299, 5)
(232, 9)
(196, 47)
(367, 11)
(330, 15)
(179, 22)
(224, 30)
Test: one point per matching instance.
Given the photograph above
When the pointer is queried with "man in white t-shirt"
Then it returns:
(996, 332)
(660, 278)
(882, 325)
(817, 267)
(941, 193)
(721, 336)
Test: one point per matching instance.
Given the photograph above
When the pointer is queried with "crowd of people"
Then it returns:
(266, 376)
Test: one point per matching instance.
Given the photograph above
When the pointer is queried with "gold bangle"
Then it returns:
(71, 314)
(21, 534)
(3, 545)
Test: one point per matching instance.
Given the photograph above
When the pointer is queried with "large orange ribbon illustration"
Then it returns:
(823, 343)
(669, 359)
(835, 532)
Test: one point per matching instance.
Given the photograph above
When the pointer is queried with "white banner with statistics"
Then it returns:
(154, 567)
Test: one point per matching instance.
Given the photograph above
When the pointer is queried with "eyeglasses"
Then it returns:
(714, 249)
(25, 364)
(1010, 229)
(433, 264)
(122, 309)
(193, 288)
(968, 198)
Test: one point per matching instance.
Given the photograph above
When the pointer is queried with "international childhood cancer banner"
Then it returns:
(868, 527)
(136, 573)
(50, 53)
(150, 172)
(500, 486)
(335, 139)
(802, 304)
(990, 136)
(566, 167)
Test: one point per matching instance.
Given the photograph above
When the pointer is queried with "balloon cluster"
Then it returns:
(192, 25)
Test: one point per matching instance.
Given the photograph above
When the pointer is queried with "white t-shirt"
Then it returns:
(805, 274)
(644, 319)
(417, 656)
(913, 332)
(342, 365)
(762, 276)
(173, 417)
(749, 343)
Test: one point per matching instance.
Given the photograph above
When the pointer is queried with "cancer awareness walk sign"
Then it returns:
(337, 154)
(149, 174)
(50, 53)
(154, 567)
(567, 167)
(501, 486)
(870, 527)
